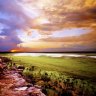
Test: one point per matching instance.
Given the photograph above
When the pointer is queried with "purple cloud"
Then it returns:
(11, 19)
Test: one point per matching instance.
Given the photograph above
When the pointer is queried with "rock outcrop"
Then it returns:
(13, 83)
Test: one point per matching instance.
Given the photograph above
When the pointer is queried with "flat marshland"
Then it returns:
(79, 66)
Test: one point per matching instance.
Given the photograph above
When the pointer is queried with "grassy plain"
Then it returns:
(79, 67)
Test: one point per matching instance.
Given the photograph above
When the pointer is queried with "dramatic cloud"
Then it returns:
(11, 19)
(47, 25)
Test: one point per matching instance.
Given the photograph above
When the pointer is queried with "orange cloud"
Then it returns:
(47, 17)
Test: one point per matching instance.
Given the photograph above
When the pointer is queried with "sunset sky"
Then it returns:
(47, 25)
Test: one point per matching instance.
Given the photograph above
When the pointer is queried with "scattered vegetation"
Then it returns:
(81, 67)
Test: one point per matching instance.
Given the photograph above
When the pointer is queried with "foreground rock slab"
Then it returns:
(13, 84)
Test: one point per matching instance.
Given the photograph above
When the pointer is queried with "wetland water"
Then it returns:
(93, 55)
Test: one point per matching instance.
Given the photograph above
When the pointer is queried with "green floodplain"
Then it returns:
(80, 67)
(72, 66)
